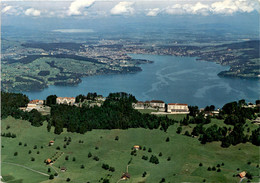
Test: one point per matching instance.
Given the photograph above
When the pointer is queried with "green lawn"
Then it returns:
(186, 153)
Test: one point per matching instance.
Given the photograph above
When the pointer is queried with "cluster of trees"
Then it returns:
(90, 96)
(234, 114)
(10, 103)
(198, 119)
(10, 135)
(107, 167)
(116, 113)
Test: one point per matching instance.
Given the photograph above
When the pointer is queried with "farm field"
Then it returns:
(185, 154)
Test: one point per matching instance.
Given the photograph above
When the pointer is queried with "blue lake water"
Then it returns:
(171, 79)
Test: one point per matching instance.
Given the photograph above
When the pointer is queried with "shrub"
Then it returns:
(200, 164)
(89, 155)
(209, 168)
(222, 164)
(169, 158)
(68, 179)
(149, 150)
(38, 152)
(73, 159)
(96, 158)
(82, 166)
(66, 157)
(16, 153)
(25, 145)
(58, 148)
(55, 174)
(32, 159)
(144, 148)
(213, 168)
(145, 157)
(111, 169)
(167, 139)
(29, 152)
(218, 170)
(163, 180)
(35, 146)
(160, 154)
(218, 165)
(49, 170)
(117, 138)
(105, 166)
(248, 162)
(20, 143)
(144, 174)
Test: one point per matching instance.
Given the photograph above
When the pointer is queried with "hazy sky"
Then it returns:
(105, 8)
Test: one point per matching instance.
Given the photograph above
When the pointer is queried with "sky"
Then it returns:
(105, 8)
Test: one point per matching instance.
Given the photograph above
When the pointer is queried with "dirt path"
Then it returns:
(27, 168)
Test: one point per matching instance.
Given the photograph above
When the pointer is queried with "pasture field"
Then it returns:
(185, 154)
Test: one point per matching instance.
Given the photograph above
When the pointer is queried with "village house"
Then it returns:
(48, 161)
(125, 176)
(177, 108)
(242, 174)
(136, 147)
(63, 169)
(51, 143)
(65, 100)
(34, 104)
(158, 104)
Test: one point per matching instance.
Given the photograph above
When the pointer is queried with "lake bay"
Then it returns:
(171, 79)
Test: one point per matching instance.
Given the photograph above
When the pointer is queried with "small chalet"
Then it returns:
(136, 147)
(51, 143)
(242, 174)
(48, 161)
(63, 169)
(125, 176)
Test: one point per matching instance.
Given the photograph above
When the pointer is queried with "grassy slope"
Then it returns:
(186, 153)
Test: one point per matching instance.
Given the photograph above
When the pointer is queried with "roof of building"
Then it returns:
(63, 168)
(65, 97)
(48, 160)
(51, 141)
(136, 146)
(147, 102)
(126, 175)
(157, 101)
(34, 101)
(140, 102)
(242, 174)
(177, 104)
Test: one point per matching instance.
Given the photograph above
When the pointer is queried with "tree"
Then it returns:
(117, 138)
(200, 164)
(68, 179)
(51, 177)
(51, 100)
(82, 166)
(49, 170)
(16, 153)
(144, 174)
(32, 159)
(74, 159)
(167, 139)
(179, 129)
(149, 150)
(160, 154)
(154, 159)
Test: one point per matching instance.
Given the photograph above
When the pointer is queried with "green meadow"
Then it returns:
(179, 162)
